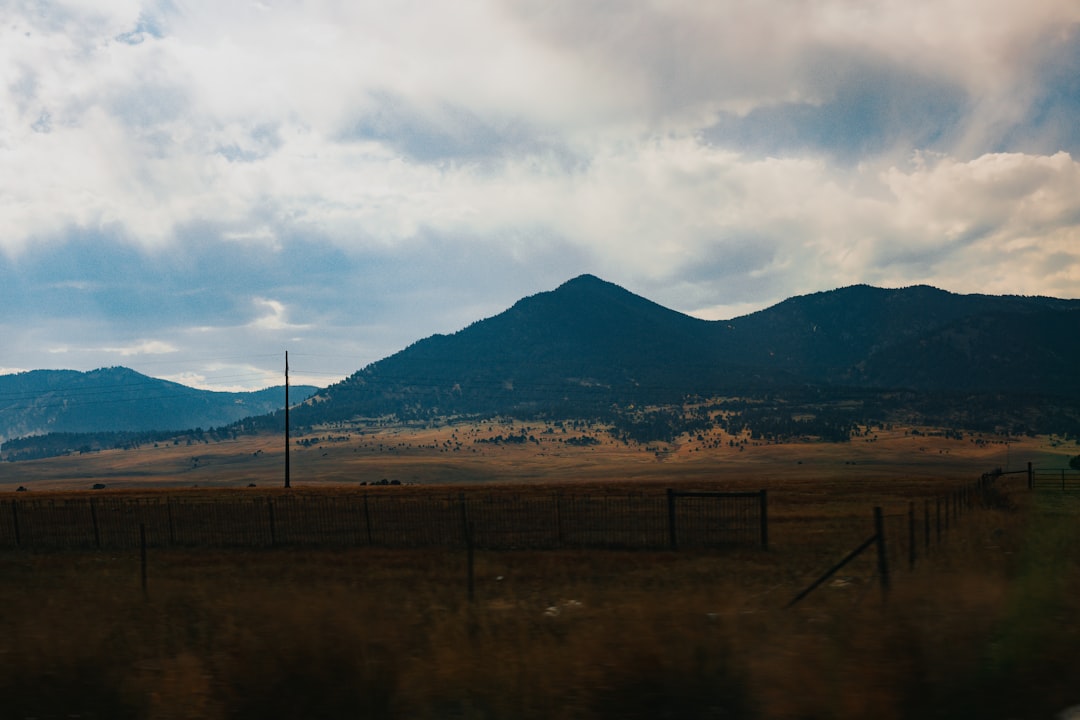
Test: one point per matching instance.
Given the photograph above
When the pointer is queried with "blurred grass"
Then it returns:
(982, 628)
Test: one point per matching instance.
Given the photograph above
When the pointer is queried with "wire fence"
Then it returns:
(498, 521)
(903, 538)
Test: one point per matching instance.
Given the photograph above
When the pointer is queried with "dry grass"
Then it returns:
(451, 455)
(981, 628)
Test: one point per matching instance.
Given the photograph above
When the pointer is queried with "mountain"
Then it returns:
(586, 345)
(1033, 353)
(590, 346)
(592, 349)
(874, 337)
(119, 399)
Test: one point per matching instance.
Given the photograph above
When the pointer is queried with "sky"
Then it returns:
(192, 188)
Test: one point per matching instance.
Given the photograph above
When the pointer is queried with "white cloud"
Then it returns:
(532, 136)
(238, 111)
(227, 378)
(142, 347)
(275, 317)
(1012, 221)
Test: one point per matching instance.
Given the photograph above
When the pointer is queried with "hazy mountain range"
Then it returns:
(119, 399)
(592, 349)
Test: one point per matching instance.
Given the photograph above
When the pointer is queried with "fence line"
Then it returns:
(671, 520)
(1060, 479)
(903, 529)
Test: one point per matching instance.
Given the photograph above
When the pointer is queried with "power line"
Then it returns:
(207, 358)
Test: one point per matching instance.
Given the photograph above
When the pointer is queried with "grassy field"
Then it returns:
(458, 454)
(983, 627)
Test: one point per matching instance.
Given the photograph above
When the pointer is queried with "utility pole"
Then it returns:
(287, 419)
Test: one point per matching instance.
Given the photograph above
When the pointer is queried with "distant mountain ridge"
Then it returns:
(119, 399)
(590, 348)
(846, 336)
(590, 344)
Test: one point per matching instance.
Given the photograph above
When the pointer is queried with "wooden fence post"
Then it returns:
(883, 558)
(15, 522)
(466, 526)
(1031, 477)
(469, 566)
(764, 521)
(937, 501)
(172, 526)
(94, 522)
(926, 526)
(673, 535)
(273, 529)
(558, 519)
(911, 535)
(142, 558)
(367, 518)
(831, 571)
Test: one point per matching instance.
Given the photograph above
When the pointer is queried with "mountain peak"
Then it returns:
(601, 309)
(590, 284)
(584, 280)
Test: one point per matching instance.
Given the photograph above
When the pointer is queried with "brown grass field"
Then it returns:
(450, 454)
(984, 626)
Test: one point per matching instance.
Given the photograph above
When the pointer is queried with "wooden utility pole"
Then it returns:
(287, 419)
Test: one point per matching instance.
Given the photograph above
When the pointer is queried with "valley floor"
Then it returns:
(517, 452)
(979, 628)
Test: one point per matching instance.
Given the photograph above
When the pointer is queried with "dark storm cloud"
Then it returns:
(868, 107)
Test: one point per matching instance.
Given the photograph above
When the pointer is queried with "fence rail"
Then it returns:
(498, 521)
(913, 532)
(1055, 479)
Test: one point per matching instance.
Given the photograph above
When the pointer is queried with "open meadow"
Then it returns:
(574, 453)
(980, 626)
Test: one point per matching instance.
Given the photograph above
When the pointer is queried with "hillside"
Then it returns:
(871, 337)
(574, 350)
(590, 346)
(119, 399)
(817, 366)
(1031, 352)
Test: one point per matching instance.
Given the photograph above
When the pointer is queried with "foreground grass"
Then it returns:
(982, 629)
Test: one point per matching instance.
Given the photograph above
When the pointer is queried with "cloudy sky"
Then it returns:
(189, 188)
